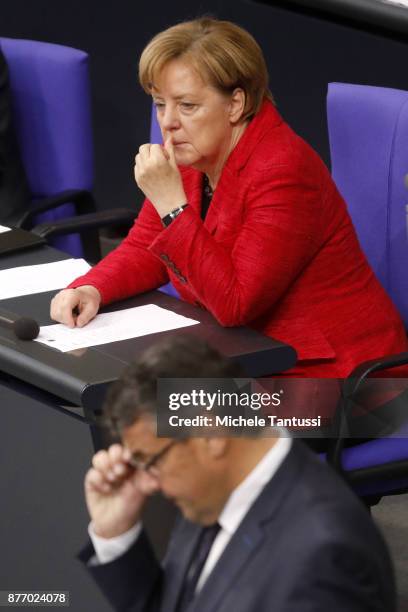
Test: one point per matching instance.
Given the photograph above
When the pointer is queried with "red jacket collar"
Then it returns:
(265, 120)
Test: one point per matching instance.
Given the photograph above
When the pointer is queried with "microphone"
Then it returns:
(24, 328)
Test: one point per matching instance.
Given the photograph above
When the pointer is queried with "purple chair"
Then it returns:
(52, 113)
(368, 128)
(368, 132)
(378, 466)
(155, 133)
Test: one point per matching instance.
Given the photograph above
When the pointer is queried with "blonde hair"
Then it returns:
(225, 55)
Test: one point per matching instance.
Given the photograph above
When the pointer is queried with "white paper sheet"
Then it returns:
(39, 278)
(3, 229)
(112, 327)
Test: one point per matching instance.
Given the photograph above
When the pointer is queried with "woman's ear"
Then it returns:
(237, 105)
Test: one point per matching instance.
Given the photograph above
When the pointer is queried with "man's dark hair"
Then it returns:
(135, 393)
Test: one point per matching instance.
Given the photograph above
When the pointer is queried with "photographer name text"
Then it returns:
(243, 421)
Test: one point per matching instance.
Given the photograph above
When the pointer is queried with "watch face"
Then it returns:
(167, 219)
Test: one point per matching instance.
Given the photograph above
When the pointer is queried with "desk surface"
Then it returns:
(81, 377)
(385, 16)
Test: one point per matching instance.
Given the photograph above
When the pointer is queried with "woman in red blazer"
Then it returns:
(241, 214)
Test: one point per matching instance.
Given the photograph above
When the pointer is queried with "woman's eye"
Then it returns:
(159, 105)
(187, 105)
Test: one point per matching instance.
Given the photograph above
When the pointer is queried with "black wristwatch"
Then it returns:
(167, 219)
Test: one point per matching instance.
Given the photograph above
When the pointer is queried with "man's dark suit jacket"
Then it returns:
(306, 545)
(14, 193)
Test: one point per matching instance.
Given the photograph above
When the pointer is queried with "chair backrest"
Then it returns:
(155, 133)
(52, 112)
(368, 131)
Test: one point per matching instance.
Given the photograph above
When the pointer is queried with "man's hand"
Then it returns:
(115, 492)
(75, 307)
(157, 175)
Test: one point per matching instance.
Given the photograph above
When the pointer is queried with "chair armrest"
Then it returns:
(351, 385)
(83, 200)
(354, 380)
(104, 218)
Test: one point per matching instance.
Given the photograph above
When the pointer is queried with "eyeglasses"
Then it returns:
(147, 466)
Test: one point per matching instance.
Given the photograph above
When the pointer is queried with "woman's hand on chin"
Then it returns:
(157, 175)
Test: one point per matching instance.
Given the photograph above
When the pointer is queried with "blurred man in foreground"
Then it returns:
(265, 524)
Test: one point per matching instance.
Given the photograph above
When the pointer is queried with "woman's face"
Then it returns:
(201, 121)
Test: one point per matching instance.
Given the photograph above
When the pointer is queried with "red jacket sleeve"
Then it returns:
(131, 268)
(245, 267)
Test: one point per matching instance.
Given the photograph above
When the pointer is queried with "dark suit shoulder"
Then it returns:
(318, 548)
(323, 496)
(331, 539)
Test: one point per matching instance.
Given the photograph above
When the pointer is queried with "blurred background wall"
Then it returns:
(303, 53)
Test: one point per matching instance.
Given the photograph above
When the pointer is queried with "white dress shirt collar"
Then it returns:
(242, 498)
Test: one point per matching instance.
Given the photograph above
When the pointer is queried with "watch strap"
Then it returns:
(167, 219)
